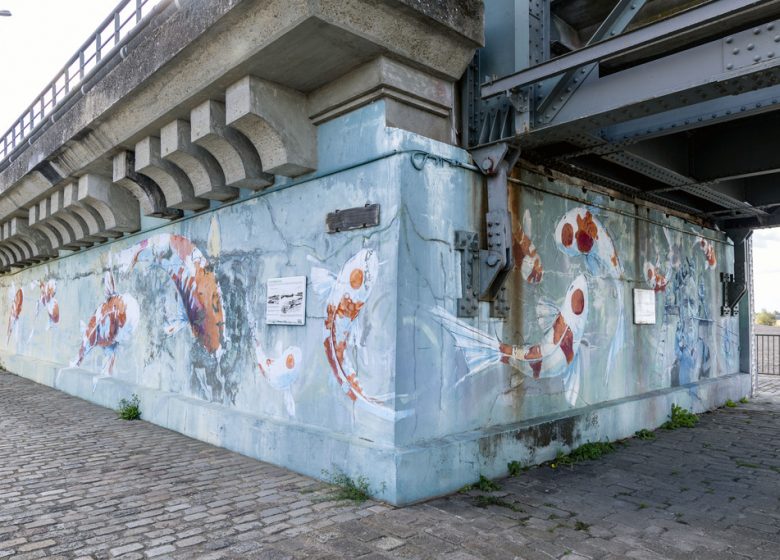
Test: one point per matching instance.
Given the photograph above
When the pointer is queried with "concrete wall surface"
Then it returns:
(383, 380)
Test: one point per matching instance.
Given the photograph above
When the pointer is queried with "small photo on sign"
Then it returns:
(644, 307)
(286, 301)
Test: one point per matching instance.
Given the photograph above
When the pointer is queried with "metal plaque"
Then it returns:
(352, 218)
(644, 307)
(286, 301)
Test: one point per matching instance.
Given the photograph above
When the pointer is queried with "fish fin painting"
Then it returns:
(524, 252)
(581, 234)
(707, 248)
(48, 301)
(112, 324)
(654, 277)
(345, 296)
(553, 355)
(280, 370)
(17, 301)
(197, 288)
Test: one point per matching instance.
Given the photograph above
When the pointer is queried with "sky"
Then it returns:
(37, 41)
(766, 269)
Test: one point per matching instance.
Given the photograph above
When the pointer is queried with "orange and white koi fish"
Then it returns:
(345, 296)
(17, 299)
(280, 372)
(654, 277)
(554, 355)
(579, 233)
(711, 259)
(48, 302)
(112, 323)
(524, 252)
(200, 296)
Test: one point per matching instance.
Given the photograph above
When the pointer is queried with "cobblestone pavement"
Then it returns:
(75, 482)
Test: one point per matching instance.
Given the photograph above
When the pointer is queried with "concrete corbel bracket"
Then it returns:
(41, 215)
(275, 119)
(148, 193)
(51, 233)
(235, 153)
(118, 208)
(74, 221)
(175, 184)
(96, 227)
(21, 251)
(201, 167)
(40, 247)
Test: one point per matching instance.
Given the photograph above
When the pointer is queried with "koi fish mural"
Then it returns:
(281, 371)
(554, 355)
(112, 324)
(580, 234)
(524, 252)
(48, 301)
(199, 294)
(711, 260)
(654, 277)
(17, 300)
(345, 295)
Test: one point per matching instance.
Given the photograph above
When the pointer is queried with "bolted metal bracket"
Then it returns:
(467, 242)
(732, 290)
(496, 262)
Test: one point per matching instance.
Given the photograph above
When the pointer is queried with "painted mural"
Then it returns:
(47, 300)
(113, 323)
(197, 290)
(552, 356)
(345, 294)
(16, 297)
(281, 371)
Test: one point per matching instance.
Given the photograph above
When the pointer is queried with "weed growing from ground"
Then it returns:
(744, 400)
(580, 526)
(680, 418)
(730, 404)
(587, 452)
(515, 468)
(484, 484)
(644, 434)
(130, 409)
(347, 488)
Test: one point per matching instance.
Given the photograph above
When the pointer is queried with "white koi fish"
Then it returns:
(281, 371)
(17, 300)
(526, 258)
(711, 260)
(345, 296)
(554, 355)
(579, 233)
(112, 323)
(655, 277)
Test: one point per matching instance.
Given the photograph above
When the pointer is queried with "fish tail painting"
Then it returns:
(112, 323)
(280, 370)
(654, 277)
(579, 233)
(525, 254)
(711, 260)
(17, 300)
(345, 296)
(200, 297)
(554, 355)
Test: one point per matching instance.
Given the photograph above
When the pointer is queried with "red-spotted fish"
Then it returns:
(346, 296)
(580, 234)
(654, 277)
(17, 300)
(112, 323)
(710, 258)
(200, 297)
(281, 371)
(552, 356)
(48, 301)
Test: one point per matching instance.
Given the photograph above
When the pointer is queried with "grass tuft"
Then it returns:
(744, 400)
(130, 409)
(347, 488)
(514, 467)
(730, 404)
(644, 434)
(680, 418)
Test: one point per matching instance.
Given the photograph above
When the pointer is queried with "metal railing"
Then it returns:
(768, 353)
(105, 43)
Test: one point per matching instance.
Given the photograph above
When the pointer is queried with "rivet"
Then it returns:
(770, 55)
(729, 67)
(770, 27)
(777, 38)
(756, 58)
(729, 40)
(757, 31)
(751, 46)
(735, 51)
